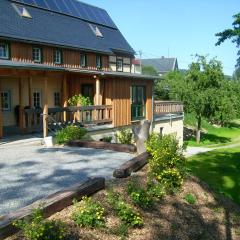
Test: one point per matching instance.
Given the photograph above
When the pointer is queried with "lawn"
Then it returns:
(220, 169)
(213, 135)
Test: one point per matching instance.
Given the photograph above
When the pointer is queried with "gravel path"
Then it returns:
(30, 172)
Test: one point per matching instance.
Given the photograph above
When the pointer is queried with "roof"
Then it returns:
(54, 28)
(162, 65)
(44, 67)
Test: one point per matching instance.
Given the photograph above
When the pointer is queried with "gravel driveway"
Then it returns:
(30, 172)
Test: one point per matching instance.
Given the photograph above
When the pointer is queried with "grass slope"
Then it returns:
(213, 136)
(220, 169)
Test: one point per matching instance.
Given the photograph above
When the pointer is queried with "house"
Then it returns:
(162, 65)
(136, 66)
(52, 50)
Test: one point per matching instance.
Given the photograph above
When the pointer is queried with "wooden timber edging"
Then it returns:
(132, 165)
(128, 148)
(51, 204)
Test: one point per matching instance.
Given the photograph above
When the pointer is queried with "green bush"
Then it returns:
(79, 100)
(167, 164)
(124, 211)
(124, 136)
(107, 139)
(140, 196)
(38, 228)
(190, 198)
(69, 133)
(88, 213)
(156, 189)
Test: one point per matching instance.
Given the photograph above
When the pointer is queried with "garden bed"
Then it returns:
(173, 217)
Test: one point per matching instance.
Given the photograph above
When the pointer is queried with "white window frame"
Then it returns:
(119, 68)
(4, 50)
(57, 56)
(34, 98)
(8, 92)
(37, 54)
(54, 98)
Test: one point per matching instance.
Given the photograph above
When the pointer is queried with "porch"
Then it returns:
(37, 101)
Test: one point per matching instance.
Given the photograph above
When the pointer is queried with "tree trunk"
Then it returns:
(198, 133)
(141, 134)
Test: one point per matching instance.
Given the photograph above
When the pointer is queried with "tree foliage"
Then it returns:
(204, 91)
(149, 70)
(231, 33)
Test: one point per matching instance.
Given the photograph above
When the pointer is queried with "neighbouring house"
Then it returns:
(52, 50)
(136, 66)
(162, 65)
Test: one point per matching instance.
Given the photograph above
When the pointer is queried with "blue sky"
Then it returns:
(175, 28)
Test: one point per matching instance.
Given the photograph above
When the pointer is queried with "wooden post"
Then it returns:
(30, 92)
(97, 91)
(21, 116)
(45, 108)
(1, 114)
(64, 96)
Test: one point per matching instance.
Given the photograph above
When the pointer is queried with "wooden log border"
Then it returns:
(128, 148)
(51, 204)
(130, 166)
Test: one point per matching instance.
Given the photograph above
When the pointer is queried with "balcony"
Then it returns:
(168, 108)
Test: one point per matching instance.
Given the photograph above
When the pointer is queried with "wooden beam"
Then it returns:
(30, 102)
(1, 114)
(98, 91)
(64, 96)
(45, 107)
(21, 116)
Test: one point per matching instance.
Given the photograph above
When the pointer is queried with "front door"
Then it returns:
(138, 107)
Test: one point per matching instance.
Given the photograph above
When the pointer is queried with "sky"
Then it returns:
(175, 28)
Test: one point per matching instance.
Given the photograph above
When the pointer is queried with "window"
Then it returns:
(83, 60)
(37, 99)
(119, 64)
(96, 30)
(37, 55)
(57, 99)
(6, 100)
(22, 11)
(138, 95)
(88, 91)
(57, 56)
(98, 62)
(4, 51)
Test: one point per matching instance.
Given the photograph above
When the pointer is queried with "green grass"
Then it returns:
(213, 136)
(220, 169)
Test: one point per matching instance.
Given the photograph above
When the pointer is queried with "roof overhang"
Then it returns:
(44, 67)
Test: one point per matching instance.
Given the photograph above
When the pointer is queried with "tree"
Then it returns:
(204, 79)
(149, 70)
(231, 33)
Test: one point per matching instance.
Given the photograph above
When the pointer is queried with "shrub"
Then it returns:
(79, 100)
(89, 213)
(38, 228)
(156, 190)
(107, 139)
(124, 136)
(167, 164)
(140, 196)
(124, 211)
(69, 133)
(190, 198)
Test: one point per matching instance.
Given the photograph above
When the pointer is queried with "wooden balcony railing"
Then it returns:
(32, 118)
(167, 107)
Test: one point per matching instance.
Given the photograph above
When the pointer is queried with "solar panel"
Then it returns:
(73, 8)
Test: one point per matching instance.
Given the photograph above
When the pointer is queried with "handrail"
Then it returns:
(165, 107)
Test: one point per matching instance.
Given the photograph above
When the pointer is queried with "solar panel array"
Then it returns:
(73, 8)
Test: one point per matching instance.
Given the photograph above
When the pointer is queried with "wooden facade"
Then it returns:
(111, 92)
